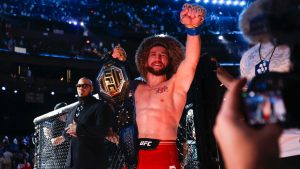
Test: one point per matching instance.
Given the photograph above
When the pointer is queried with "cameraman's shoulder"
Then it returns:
(284, 50)
(251, 52)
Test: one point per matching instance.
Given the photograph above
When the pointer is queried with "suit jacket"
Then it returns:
(87, 150)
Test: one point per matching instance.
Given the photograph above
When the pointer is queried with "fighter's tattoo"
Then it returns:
(160, 90)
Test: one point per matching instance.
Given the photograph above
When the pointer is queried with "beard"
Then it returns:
(160, 72)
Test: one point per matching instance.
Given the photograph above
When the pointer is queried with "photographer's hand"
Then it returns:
(242, 146)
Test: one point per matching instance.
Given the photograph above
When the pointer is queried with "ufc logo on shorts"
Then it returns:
(145, 143)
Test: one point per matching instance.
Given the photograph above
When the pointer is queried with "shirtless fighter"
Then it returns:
(161, 99)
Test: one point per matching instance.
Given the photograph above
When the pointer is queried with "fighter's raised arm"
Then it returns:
(192, 17)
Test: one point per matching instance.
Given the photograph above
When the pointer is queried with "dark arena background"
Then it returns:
(47, 45)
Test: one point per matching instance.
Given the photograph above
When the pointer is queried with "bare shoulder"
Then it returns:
(141, 86)
(140, 90)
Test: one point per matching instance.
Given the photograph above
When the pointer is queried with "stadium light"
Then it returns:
(224, 2)
(228, 2)
(242, 3)
(221, 2)
(3, 88)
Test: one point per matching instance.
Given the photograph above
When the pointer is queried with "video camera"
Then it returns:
(272, 97)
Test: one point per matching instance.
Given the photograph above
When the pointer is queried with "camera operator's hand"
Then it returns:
(242, 146)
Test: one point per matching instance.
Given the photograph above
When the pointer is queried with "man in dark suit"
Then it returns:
(86, 127)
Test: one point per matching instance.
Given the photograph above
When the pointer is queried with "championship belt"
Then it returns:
(124, 117)
(113, 84)
(112, 81)
(125, 110)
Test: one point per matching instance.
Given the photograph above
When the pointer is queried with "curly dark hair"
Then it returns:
(174, 49)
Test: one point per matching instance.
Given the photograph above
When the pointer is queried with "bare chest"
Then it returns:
(147, 97)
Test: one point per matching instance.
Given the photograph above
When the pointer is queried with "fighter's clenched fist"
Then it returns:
(192, 16)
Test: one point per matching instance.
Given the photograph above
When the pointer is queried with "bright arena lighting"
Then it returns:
(235, 3)
(242, 3)
(52, 93)
(251, 94)
(229, 2)
(81, 24)
(15, 91)
(221, 37)
(3, 88)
